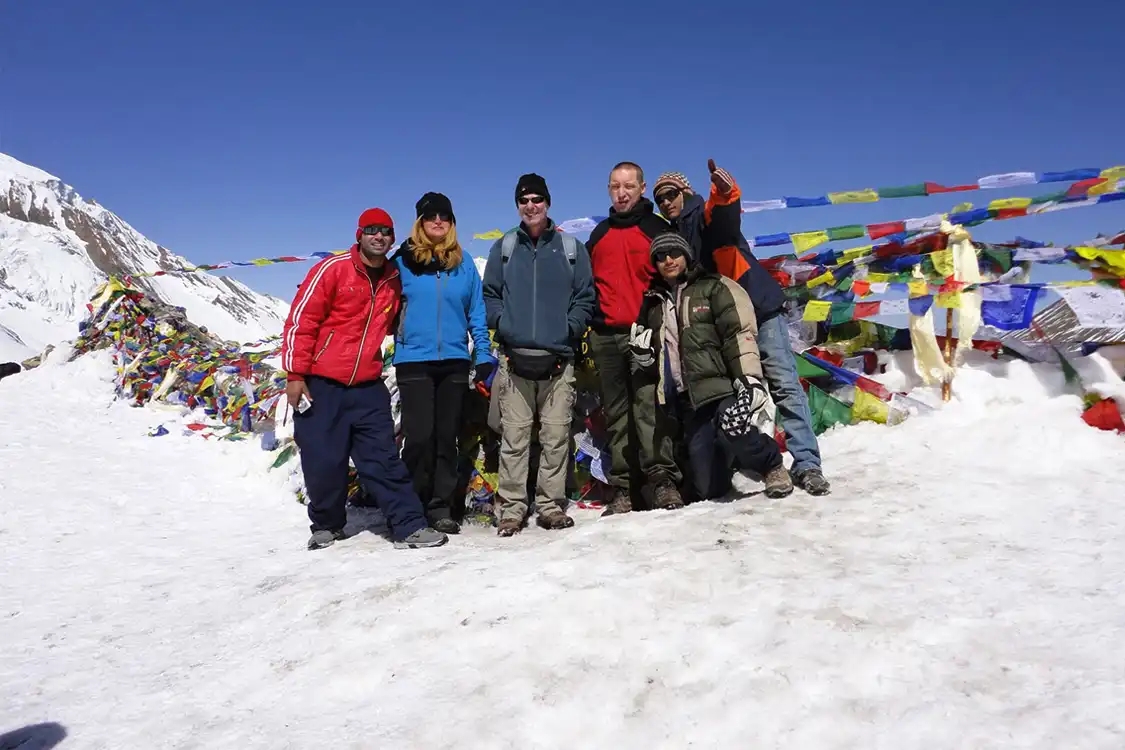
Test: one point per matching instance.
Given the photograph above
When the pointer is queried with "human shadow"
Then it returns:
(33, 737)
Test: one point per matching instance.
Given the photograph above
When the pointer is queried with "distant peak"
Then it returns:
(12, 168)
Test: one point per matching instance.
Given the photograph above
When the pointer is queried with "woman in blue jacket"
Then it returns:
(442, 307)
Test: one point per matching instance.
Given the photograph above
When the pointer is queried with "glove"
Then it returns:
(720, 177)
(640, 346)
(483, 373)
(744, 415)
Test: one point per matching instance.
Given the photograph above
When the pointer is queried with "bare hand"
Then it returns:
(294, 389)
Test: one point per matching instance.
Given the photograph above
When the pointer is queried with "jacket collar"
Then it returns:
(549, 232)
(390, 270)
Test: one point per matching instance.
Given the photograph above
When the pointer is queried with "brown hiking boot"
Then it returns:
(667, 497)
(554, 520)
(509, 527)
(620, 503)
(778, 483)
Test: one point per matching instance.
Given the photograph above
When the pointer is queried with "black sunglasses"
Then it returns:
(430, 216)
(667, 196)
(662, 255)
(536, 199)
(379, 229)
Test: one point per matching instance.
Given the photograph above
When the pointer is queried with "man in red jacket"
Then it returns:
(332, 350)
(639, 443)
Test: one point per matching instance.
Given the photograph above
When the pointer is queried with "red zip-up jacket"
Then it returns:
(621, 264)
(338, 321)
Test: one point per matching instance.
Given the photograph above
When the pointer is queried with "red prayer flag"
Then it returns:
(1011, 213)
(865, 309)
(875, 231)
(933, 188)
(1105, 416)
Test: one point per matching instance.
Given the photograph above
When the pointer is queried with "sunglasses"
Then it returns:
(536, 199)
(667, 196)
(437, 216)
(662, 255)
(379, 229)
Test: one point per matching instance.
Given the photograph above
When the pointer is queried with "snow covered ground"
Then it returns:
(964, 587)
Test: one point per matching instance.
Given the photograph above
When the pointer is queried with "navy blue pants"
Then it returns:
(712, 457)
(353, 422)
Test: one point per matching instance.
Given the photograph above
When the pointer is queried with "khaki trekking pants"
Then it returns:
(520, 401)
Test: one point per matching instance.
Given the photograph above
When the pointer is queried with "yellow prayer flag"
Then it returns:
(1107, 186)
(824, 278)
(867, 195)
(1115, 259)
(880, 278)
(961, 208)
(1006, 203)
(817, 310)
(262, 261)
(493, 234)
(948, 299)
(943, 262)
(804, 241)
(919, 288)
(1113, 173)
(856, 252)
(869, 408)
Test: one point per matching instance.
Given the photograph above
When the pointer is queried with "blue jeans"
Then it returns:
(780, 368)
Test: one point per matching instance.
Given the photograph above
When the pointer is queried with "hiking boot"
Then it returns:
(425, 537)
(667, 497)
(325, 538)
(621, 502)
(778, 483)
(509, 527)
(446, 526)
(812, 481)
(554, 520)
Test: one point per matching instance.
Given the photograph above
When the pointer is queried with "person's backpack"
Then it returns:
(508, 246)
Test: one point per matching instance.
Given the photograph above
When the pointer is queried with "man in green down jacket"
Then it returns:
(698, 331)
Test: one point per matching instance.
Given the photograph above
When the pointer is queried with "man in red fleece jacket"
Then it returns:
(622, 268)
(332, 351)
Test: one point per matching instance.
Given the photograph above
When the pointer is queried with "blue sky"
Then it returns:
(250, 129)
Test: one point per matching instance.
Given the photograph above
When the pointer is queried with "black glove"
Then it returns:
(483, 372)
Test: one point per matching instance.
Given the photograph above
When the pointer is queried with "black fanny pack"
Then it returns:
(535, 364)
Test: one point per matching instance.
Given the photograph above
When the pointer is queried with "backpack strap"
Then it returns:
(507, 247)
(570, 246)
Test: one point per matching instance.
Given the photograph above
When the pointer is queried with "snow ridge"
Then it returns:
(57, 247)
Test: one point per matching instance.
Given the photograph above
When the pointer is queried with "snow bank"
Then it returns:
(962, 587)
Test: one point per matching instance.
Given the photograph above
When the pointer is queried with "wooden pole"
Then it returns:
(947, 383)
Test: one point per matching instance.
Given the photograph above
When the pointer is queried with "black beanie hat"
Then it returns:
(532, 183)
(434, 203)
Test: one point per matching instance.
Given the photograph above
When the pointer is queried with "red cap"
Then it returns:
(373, 216)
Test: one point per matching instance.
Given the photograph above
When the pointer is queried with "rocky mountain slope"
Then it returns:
(57, 247)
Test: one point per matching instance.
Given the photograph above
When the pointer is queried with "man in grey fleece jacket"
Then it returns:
(538, 299)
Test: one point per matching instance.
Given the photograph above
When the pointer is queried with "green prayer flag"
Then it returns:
(1048, 198)
(904, 191)
(806, 369)
(842, 312)
(827, 411)
(847, 232)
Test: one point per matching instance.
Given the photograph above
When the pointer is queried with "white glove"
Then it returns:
(744, 415)
(640, 346)
(751, 391)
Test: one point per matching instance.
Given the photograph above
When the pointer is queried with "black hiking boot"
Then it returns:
(621, 502)
(666, 496)
(325, 538)
(812, 481)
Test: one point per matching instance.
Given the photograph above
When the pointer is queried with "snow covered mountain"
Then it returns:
(56, 248)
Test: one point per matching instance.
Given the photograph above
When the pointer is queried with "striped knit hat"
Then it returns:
(671, 179)
(668, 242)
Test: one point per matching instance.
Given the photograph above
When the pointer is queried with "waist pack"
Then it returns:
(535, 364)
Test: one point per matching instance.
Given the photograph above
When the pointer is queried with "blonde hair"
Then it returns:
(447, 252)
